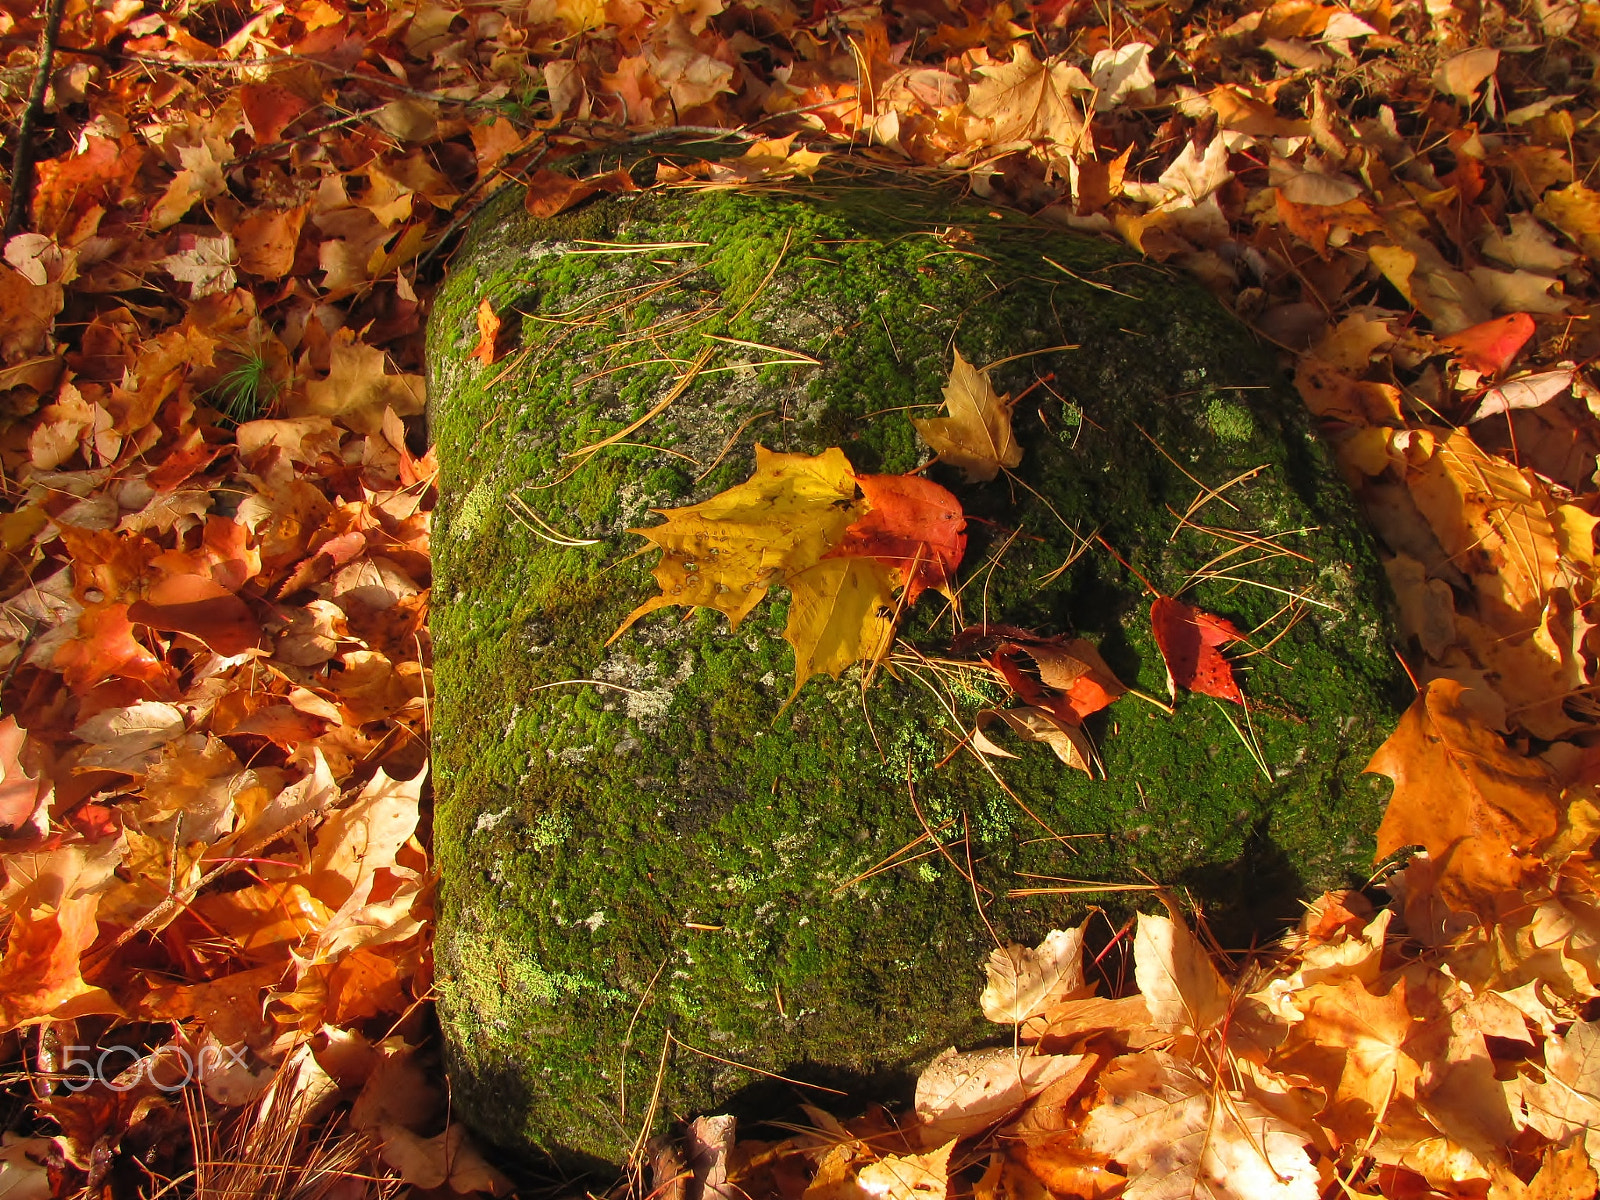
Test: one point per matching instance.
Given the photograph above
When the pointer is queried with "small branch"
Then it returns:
(22, 160)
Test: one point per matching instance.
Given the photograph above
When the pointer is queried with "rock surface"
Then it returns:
(634, 840)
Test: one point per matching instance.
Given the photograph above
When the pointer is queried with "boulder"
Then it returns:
(657, 880)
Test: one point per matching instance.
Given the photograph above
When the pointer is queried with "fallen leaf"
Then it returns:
(1492, 346)
(725, 552)
(1074, 681)
(1566, 1173)
(975, 434)
(1335, 396)
(1351, 345)
(1029, 100)
(1127, 1018)
(1122, 74)
(841, 612)
(488, 332)
(449, 1158)
(911, 525)
(550, 193)
(1363, 1043)
(1479, 810)
(269, 109)
(961, 1094)
(39, 971)
(1527, 391)
(407, 119)
(1462, 74)
(202, 608)
(1180, 1136)
(1188, 640)
(909, 1176)
(359, 388)
(129, 738)
(1513, 291)
(268, 241)
(1024, 982)
(1495, 523)
(1528, 247)
(206, 264)
(21, 794)
(1575, 210)
(1179, 983)
(1069, 743)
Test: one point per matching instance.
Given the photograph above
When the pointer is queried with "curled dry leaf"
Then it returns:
(1179, 982)
(1068, 741)
(1076, 680)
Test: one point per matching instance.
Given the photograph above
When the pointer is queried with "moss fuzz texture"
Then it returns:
(663, 849)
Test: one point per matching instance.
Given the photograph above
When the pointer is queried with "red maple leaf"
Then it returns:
(1189, 641)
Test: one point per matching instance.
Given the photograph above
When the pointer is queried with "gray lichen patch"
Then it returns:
(638, 837)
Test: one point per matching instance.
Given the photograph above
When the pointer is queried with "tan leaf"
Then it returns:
(1026, 100)
(1495, 522)
(961, 1094)
(975, 434)
(1069, 742)
(1023, 982)
(1528, 247)
(1180, 986)
(358, 387)
(1183, 1138)
(909, 1176)
(407, 119)
(1462, 74)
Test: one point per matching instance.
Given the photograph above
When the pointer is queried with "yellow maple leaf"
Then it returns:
(841, 611)
(975, 435)
(777, 527)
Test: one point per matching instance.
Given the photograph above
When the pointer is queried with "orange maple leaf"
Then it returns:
(1478, 809)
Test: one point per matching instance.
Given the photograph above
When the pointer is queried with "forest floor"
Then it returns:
(214, 818)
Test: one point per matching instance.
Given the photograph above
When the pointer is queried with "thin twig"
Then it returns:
(27, 143)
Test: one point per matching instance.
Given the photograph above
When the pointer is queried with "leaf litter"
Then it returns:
(212, 766)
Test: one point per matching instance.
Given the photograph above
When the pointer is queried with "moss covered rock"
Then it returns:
(638, 838)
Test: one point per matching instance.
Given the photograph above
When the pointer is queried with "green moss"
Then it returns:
(653, 781)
